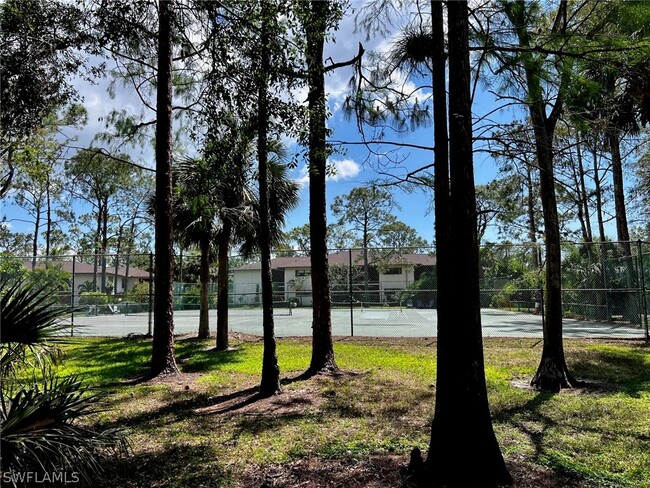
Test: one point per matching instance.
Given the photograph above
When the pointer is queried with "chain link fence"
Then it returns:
(607, 283)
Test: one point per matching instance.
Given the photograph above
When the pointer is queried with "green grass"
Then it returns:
(383, 405)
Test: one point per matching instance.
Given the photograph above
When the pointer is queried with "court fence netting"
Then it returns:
(603, 282)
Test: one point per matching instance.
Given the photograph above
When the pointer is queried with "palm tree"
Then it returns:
(196, 222)
(216, 204)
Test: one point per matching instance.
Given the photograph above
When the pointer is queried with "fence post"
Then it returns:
(644, 291)
(350, 292)
(72, 297)
(150, 331)
(603, 261)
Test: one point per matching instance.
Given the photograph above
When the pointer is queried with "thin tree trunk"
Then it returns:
(622, 231)
(204, 306)
(366, 272)
(118, 249)
(98, 232)
(601, 232)
(552, 373)
(532, 223)
(270, 382)
(48, 223)
(163, 359)
(37, 225)
(585, 220)
(104, 245)
(599, 196)
(462, 426)
(630, 308)
(584, 200)
(222, 285)
(129, 246)
(322, 356)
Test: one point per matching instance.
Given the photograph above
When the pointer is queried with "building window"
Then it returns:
(393, 271)
(303, 272)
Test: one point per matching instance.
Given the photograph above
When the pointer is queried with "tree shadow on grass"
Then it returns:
(624, 369)
(172, 466)
(530, 419)
(117, 362)
(199, 361)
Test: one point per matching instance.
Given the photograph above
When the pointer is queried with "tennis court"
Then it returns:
(374, 322)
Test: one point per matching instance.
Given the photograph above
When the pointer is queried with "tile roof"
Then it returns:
(84, 268)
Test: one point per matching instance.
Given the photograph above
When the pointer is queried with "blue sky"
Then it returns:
(355, 166)
(360, 167)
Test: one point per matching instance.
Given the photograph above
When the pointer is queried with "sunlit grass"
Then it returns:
(383, 403)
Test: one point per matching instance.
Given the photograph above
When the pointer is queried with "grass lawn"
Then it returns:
(203, 428)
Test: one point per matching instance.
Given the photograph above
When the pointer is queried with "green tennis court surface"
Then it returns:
(376, 322)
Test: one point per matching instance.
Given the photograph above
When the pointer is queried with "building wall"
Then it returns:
(81, 278)
(246, 287)
(297, 283)
(389, 283)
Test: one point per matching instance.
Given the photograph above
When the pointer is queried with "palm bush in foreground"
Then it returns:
(40, 414)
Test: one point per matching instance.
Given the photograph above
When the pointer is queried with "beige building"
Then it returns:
(388, 274)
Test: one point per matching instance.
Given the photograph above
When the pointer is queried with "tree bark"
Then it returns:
(48, 213)
(462, 426)
(37, 225)
(631, 308)
(322, 356)
(622, 231)
(163, 359)
(532, 223)
(104, 244)
(222, 285)
(599, 196)
(11, 169)
(204, 307)
(584, 200)
(552, 373)
(270, 383)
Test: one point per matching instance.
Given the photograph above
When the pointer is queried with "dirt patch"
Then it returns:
(179, 381)
(377, 471)
(292, 401)
(587, 386)
(370, 472)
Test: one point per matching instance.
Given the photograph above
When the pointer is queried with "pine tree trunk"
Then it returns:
(163, 359)
(322, 356)
(631, 307)
(104, 245)
(37, 225)
(48, 223)
(461, 431)
(552, 373)
(222, 286)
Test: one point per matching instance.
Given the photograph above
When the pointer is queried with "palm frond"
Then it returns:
(30, 324)
(40, 429)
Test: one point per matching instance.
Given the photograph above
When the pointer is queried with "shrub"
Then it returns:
(139, 293)
(93, 298)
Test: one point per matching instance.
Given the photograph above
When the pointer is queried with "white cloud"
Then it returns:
(346, 169)
(343, 169)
